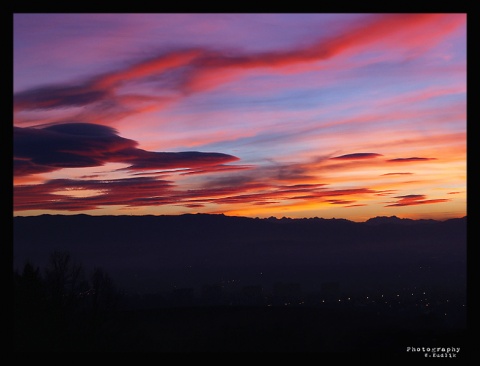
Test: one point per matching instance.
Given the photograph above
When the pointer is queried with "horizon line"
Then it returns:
(246, 217)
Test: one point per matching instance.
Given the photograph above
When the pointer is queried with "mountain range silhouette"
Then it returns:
(150, 253)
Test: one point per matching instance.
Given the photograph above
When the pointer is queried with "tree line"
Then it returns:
(62, 308)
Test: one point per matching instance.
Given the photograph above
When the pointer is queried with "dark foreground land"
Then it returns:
(251, 329)
(211, 283)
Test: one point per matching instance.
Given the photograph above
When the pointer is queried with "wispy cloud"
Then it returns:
(400, 173)
(187, 71)
(408, 160)
(414, 199)
(355, 156)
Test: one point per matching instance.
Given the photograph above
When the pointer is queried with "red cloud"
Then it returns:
(385, 192)
(147, 68)
(355, 156)
(128, 191)
(151, 191)
(340, 202)
(414, 199)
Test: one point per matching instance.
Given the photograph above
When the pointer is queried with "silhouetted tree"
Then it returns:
(63, 311)
(104, 295)
(64, 280)
(30, 322)
(28, 286)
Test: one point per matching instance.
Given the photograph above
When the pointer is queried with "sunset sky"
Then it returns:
(298, 115)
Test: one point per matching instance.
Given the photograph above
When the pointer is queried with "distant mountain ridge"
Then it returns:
(378, 220)
(192, 249)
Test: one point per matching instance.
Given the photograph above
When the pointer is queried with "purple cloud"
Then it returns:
(406, 160)
(75, 145)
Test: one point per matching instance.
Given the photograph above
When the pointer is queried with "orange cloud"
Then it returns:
(390, 174)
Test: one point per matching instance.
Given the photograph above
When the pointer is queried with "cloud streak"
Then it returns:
(127, 191)
(400, 173)
(77, 145)
(197, 69)
(414, 199)
(408, 160)
(82, 194)
(356, 156)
